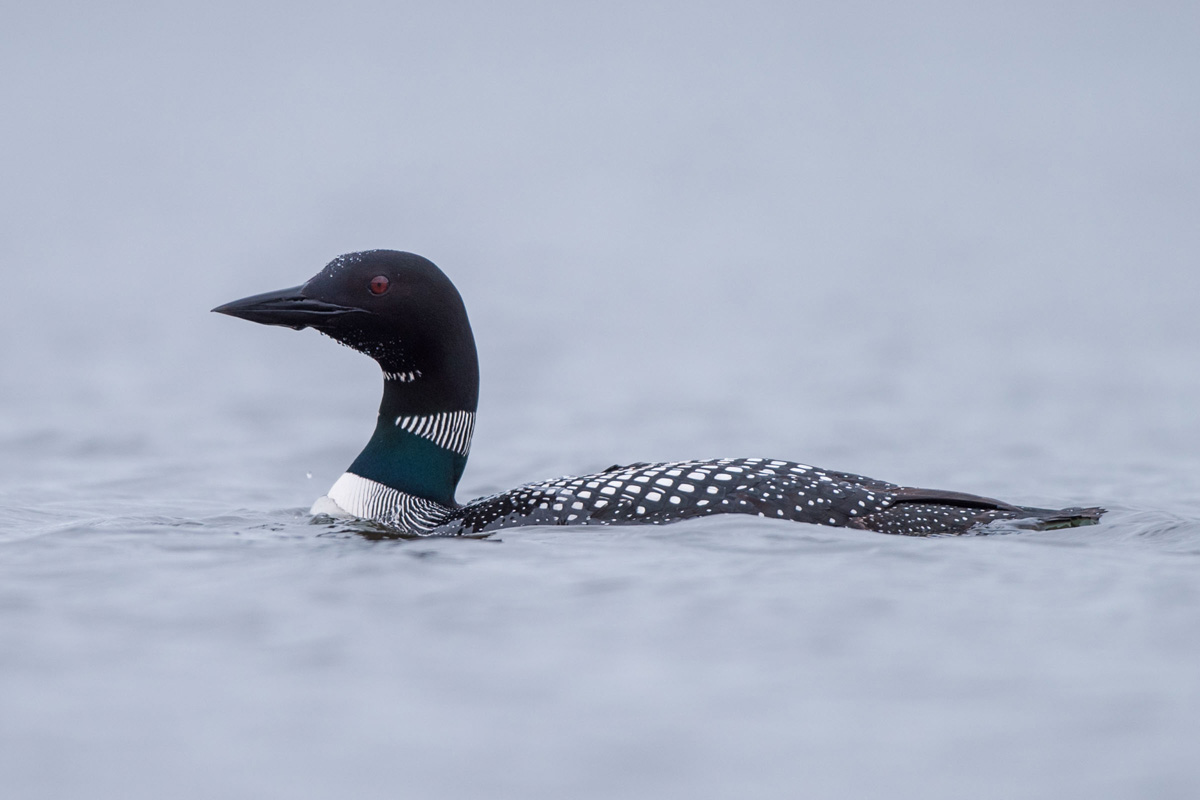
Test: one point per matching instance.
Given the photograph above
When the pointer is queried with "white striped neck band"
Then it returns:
(451, 430)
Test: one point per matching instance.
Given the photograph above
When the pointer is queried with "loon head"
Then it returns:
(402, 311)
(396, 307)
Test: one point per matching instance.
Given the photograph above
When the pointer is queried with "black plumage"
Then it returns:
(671, 491)
(401, 310)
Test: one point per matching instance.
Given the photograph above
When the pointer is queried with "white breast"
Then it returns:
(355, 496)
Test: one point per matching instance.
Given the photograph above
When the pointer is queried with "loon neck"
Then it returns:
(418, 447)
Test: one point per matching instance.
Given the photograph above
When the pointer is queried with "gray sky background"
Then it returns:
(1000, 194)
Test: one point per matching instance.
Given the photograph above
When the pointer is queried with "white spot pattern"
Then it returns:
(780, 490)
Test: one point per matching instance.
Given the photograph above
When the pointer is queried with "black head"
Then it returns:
(396, 307)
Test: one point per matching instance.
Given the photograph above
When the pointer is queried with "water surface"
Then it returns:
(944, 248)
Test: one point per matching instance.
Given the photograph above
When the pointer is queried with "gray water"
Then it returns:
(938, 245)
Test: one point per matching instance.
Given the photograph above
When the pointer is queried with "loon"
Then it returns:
(401, 310)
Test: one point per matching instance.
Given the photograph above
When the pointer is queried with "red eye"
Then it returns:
(379, 284)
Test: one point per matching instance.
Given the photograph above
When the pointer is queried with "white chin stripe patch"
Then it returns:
(449, 429)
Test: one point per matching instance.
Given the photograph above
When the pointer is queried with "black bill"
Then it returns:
(286, 307)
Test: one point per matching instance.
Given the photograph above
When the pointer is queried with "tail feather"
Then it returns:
(1044, 519)
(921, 512)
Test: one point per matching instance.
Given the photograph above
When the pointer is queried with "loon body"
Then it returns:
(401, 310)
